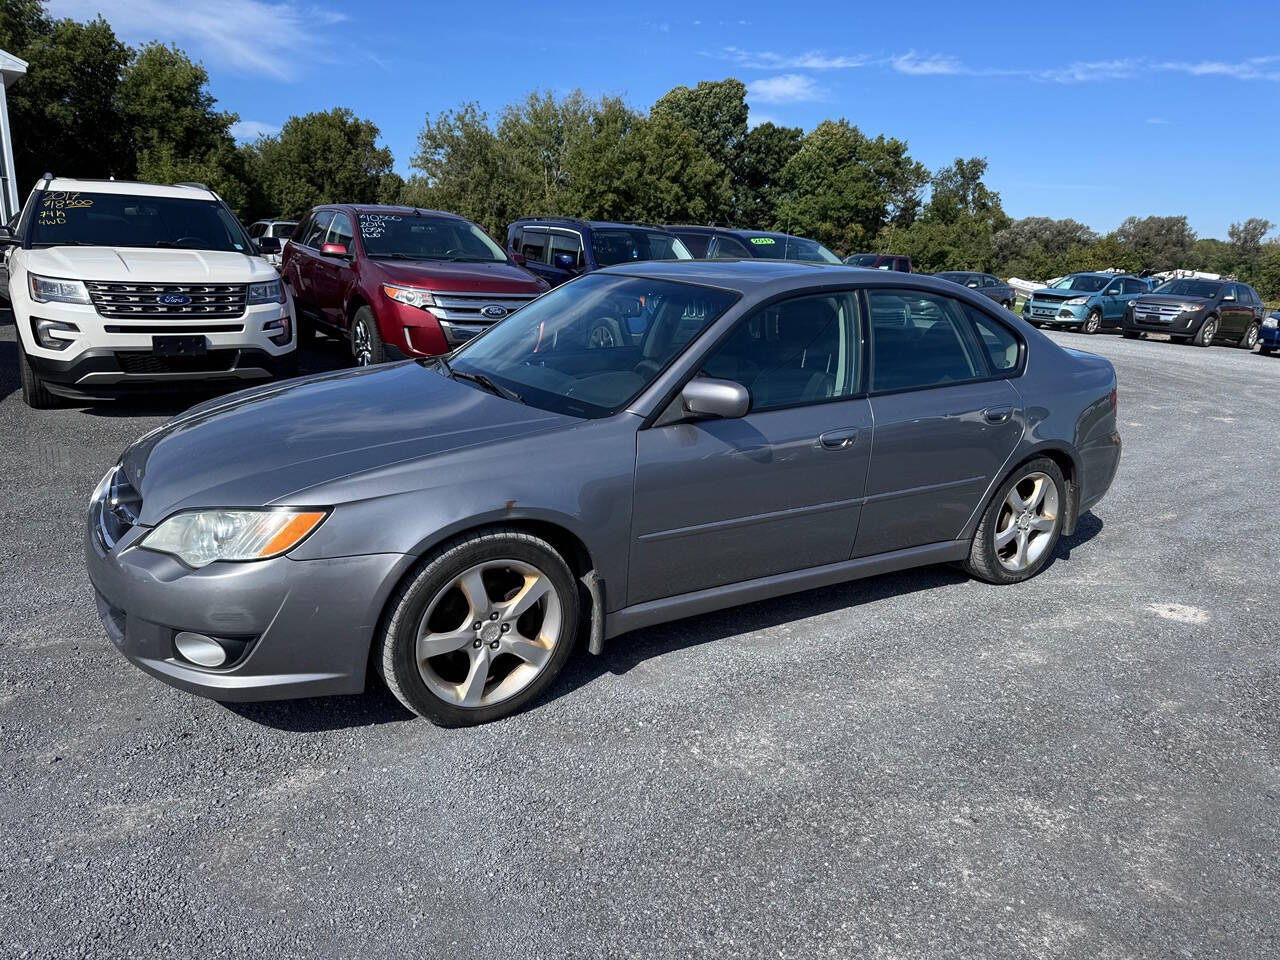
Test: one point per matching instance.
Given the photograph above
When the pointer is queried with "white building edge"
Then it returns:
(11, 69)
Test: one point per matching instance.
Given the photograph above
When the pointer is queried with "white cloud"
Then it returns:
(258, 36)
(1158, 121)
(769, 60)
(785, 88)
(246, 130)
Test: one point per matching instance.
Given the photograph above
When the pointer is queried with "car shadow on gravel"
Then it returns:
(8, 368)
(377, 706)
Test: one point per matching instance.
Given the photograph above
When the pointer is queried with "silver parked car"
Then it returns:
(761, 428)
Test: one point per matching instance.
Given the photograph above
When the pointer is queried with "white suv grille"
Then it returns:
(145, 301)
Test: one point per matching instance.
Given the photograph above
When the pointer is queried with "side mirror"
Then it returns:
(720, 399)
(334, 250)
(518, 259)
(972, 284)
(1111, 292)
(268, 244)
(565, 261)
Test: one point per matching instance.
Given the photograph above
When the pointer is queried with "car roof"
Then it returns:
(388, 208)
(135, 188)
(592, 224)
(733, 231)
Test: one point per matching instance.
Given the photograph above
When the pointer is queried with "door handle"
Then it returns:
(839, 439)
(997, 414)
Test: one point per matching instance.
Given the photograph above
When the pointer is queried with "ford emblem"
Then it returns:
(174, 299)
(494, 312)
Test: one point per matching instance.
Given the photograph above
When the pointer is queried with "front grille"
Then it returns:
(1054, 297)
(469, 307)
(119, 509)
(142, 301)
(215, 361)
(1164, 309)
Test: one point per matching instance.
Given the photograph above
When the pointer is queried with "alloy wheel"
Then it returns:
(1093, 322)
(1208, 331)
(1251, 337)
(489, 633)
(361, 344)
(1027, 520)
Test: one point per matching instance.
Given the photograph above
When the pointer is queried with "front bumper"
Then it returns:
(1269, 337)
(303, 627)
(1042, 312)
(105, 371)
(1176, 324)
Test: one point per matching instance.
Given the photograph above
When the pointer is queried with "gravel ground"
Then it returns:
(911, 766)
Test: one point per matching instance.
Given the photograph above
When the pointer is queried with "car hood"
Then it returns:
(148, 264)
(1064, 292)
(262, 446)
(462, 277)
(1170, 298)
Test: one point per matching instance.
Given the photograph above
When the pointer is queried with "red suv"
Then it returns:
(399, 282)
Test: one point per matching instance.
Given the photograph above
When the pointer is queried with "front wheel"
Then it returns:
(1250, 338)
(1021, 525)
(1208, 330)
(1093, 322)
(482, 628)
(366, 341)
(34, 393)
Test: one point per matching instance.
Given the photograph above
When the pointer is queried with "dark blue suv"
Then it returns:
(559, 249)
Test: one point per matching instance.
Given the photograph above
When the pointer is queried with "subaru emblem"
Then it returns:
(494, 312)
(174, 299)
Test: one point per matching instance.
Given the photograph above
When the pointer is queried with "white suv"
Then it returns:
(117, 285)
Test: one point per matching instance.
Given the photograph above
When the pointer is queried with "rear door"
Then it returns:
(722, 501)
(306, 253)
(946, 418)
(1235, 314)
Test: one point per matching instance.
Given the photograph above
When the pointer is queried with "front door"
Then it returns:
(946, 421)
(722, 501)
(331, 272)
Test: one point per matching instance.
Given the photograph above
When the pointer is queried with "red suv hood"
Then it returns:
(461, 277)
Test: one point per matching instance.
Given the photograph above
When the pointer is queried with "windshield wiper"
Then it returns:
(494, 388)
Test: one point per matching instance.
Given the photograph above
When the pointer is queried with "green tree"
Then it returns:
(1157, 243)
(460, 166)
(842, 187)
(165, 102)
(765, 151)
(321, 158)
(1036, 248)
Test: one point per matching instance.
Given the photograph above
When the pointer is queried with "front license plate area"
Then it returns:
(179, 346)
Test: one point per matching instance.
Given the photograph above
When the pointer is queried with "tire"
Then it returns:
(999, 563)
(34, 393)
(1265, 350)
(1208, 330)
(365, 340)
(1250, 338)
(605, 332)
(1036, 323)
(1008, 305)
(432, 597)
(1093, 322)
(1131, 334)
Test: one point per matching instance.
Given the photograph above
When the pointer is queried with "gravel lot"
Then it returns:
(911, 766)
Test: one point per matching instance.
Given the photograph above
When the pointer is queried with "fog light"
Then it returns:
(53, 334)
(284, 325)
(200, 650)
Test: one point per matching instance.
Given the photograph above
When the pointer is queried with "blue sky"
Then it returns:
(1093, 111)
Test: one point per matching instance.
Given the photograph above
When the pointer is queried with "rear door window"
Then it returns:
(342, 232)
(730, 247)
(569, 243)
(319, 227)
(919, 340)
(533, 245)
(696, 242)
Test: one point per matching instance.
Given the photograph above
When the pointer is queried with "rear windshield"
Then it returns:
(1190, 288)
(69, 218)
(623, 246)
(790, 248)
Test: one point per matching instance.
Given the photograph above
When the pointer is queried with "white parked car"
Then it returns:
(278, 231)
(119, 285)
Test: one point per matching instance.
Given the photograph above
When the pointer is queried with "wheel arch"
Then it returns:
(1066, 461)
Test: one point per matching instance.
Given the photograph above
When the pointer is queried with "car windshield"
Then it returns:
(789, 248)
(588, 348)
(63, 218)
(415, 236)
(1088, 282)
(622, 245)
(1205, 289)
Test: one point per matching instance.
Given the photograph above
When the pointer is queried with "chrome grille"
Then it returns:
(205, 301)
(468, 307)
(1164, 309)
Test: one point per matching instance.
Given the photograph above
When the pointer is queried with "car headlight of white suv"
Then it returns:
(269, 291)
(53, 290)
(199, 537)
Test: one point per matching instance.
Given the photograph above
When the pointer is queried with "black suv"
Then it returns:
(1197, 310)
(559, 249)
(708, 243)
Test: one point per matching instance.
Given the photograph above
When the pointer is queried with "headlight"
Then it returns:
(1076, 302)
(271, 291)
(200, 537)
(413, 296)
(100, 490)
(51, 290)
(1192, 307)
(1271, 322)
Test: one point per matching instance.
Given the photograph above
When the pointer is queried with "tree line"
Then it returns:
(93, 106)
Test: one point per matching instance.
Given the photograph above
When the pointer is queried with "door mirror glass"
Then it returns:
(334, 250)
(1112, 292)
(1228, 298)
(518, 259)
(566, 261)
(709, 397)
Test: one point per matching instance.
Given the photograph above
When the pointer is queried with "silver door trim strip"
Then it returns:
(746, 521)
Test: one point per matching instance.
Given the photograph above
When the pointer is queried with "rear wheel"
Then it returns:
(34, 393)
(482, 628)
(366, 341)
(1250, 338)
(1021, 525)
(1093, 322)
(1208, 330)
